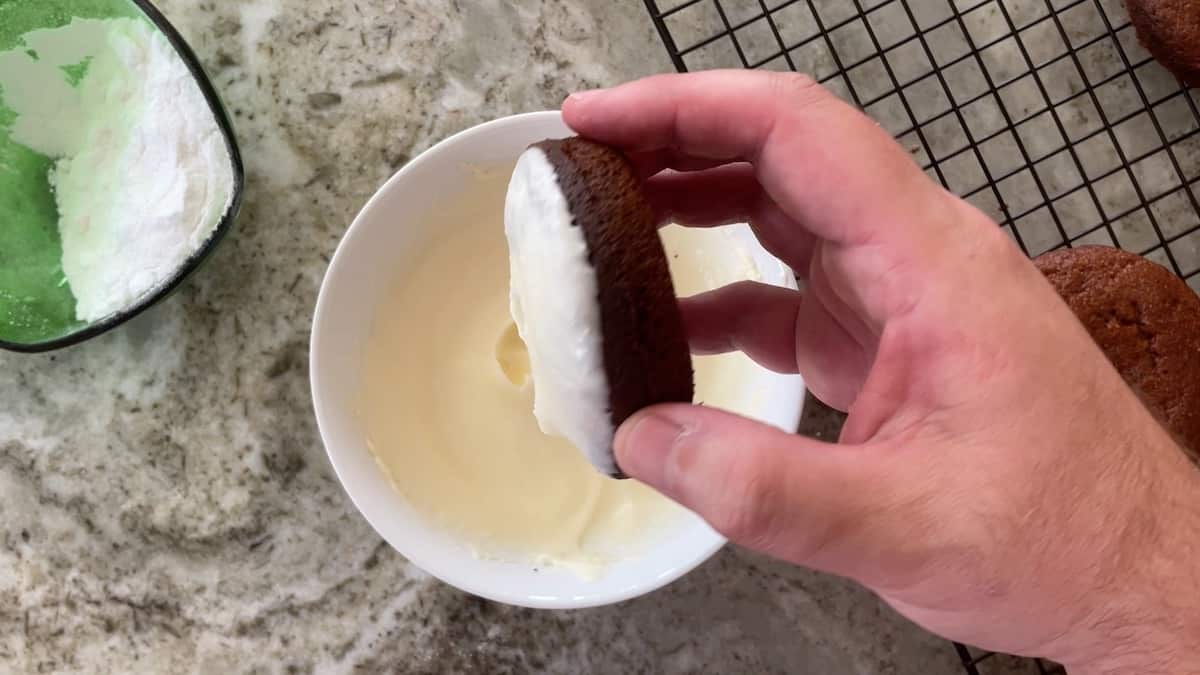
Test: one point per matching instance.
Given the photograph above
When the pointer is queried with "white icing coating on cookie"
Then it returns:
(554, 302)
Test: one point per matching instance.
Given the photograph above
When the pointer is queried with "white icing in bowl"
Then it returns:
(390, 234)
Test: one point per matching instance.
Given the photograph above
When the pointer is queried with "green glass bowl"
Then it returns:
(37, 308)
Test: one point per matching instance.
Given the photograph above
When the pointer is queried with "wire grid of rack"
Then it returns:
(1046, 114)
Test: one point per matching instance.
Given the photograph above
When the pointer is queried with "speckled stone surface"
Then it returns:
(165, 502)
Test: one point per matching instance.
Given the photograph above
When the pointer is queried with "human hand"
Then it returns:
(996, 481)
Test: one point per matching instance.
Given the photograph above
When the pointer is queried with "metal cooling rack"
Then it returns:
(1046, 114)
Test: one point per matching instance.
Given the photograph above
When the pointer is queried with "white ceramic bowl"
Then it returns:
(389, 234)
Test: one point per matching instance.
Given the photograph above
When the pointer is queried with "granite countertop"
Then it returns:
(165, 501)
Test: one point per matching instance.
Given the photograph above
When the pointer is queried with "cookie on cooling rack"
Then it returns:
(1147, 321)
(591, 294)
(1170, 30)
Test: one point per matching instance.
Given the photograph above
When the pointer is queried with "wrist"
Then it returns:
(1148, 621)
(1146, 653)
(1161, 655)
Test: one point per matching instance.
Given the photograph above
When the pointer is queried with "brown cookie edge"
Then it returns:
(1088, 276)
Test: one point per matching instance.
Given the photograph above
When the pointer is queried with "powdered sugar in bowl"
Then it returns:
(122, 172)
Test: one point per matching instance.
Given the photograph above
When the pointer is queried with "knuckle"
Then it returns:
(792, 85)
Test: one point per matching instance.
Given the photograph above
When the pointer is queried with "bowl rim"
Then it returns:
(339, 457)
(200, 255)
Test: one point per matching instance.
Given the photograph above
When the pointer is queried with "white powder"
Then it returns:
(143, 175)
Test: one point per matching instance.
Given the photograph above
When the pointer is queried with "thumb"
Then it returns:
(782, 494)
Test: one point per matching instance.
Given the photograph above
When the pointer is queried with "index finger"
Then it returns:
(823, 162)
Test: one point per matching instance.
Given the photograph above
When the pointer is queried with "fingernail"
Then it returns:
(643, 444)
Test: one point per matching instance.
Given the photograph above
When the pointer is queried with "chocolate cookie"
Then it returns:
(1170, 30)
(1147, 321)
(592, 294)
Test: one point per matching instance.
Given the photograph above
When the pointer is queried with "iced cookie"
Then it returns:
(591, 294)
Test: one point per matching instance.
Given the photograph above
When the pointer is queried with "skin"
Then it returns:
(996, 481)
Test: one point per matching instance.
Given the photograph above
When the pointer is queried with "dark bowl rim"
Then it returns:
(196, 259)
